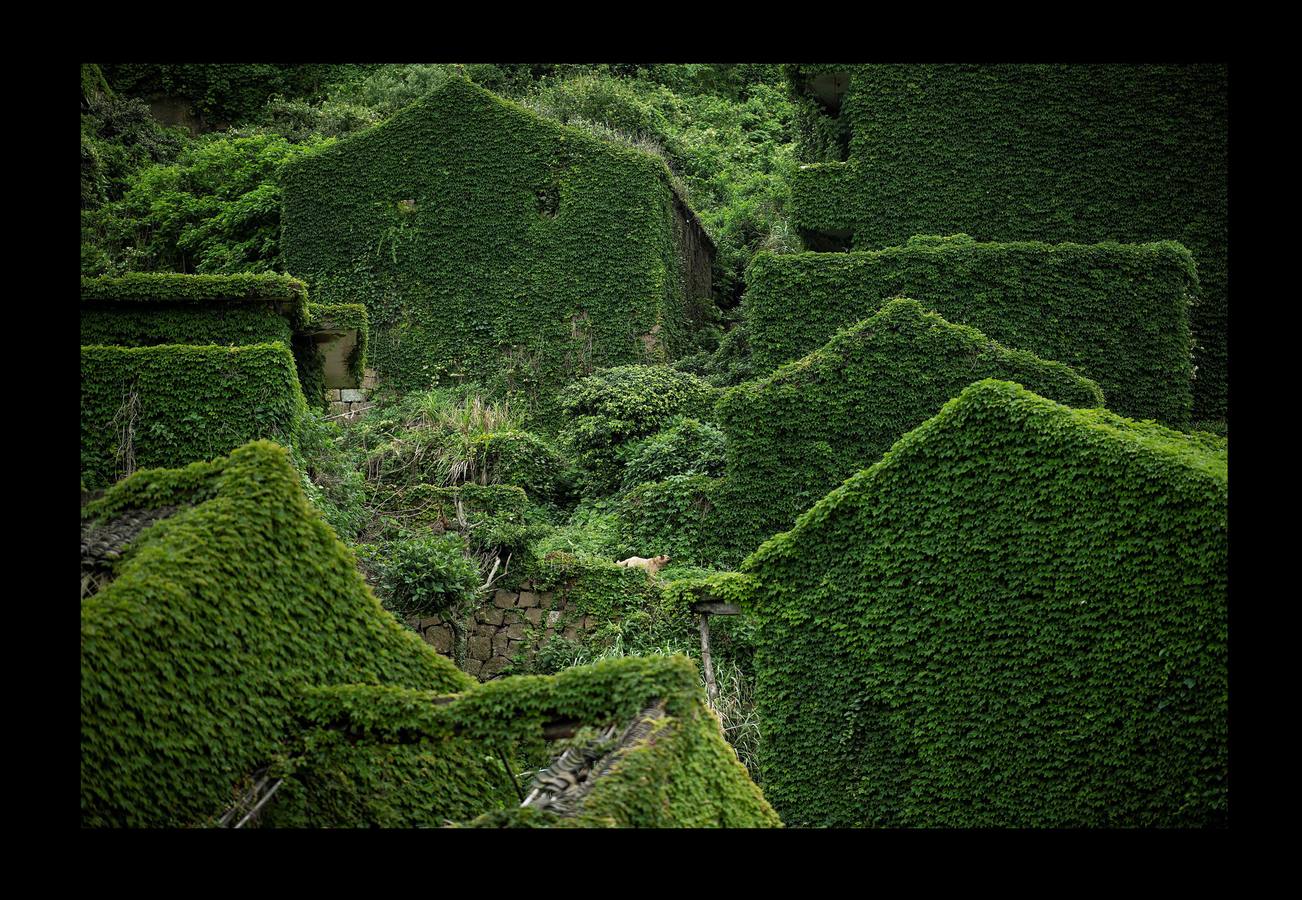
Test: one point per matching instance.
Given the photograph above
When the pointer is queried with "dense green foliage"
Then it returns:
(139, 310)
(218, 323)
(193, 657)
(683, 774)
(1085, 153)
(170, 405)
(686, 447)
(724, 129)
(1118, 314)
(466, 225)
(795, 435)
(730, 145)
(215, 210)
(1016, 618)
(425, 575)
(675, 517)
(524, 459)
(455, 437)
(223, 92)
(607, 410)
(119, 137)
(198, 290)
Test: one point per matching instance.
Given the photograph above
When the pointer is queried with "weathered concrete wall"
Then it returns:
(510, 621)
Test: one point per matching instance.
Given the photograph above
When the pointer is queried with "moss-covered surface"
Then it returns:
(797, 434)
(1118, 314)
(683, 774)
(171, 405)
(489, 243)
(193, 657)
(142, 310)
(1084, 153)
(1016, 618)
(146, 289)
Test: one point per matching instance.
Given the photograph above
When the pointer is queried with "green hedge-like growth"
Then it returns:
(171, 405)
(523, 459)
(489, 243)
(193, 658)
(146, 325)
(141, 310)
(277, 292)
(144, 309)
(686, 447)
(1118, 314)
(1017, 618)
(795, 435)
(1085, 153)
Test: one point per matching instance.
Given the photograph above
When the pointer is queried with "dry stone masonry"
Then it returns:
(504, 625)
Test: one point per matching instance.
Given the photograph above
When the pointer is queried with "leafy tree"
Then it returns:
(216, 210)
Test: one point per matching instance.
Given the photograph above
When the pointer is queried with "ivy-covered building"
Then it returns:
(1017, 618)
(180, 368)
(1080, 153)
(492, 244)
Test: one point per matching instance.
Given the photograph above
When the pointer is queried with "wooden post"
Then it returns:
(711, 690)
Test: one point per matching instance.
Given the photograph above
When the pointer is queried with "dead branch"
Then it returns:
(493, 576)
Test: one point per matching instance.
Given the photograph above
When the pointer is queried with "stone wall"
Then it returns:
(510, 621)
(350, 403)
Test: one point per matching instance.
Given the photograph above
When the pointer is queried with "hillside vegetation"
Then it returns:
(665, 445)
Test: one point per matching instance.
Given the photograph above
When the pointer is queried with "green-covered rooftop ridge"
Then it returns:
(172, 287)
(901, 311)
(1202, 454)
(192, 656)
(461, 87)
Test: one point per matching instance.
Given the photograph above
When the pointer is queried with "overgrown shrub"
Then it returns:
(524, 459)
(687, 447)
(425, 575)
(119, 137)
(216, 210)
(615, 406)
